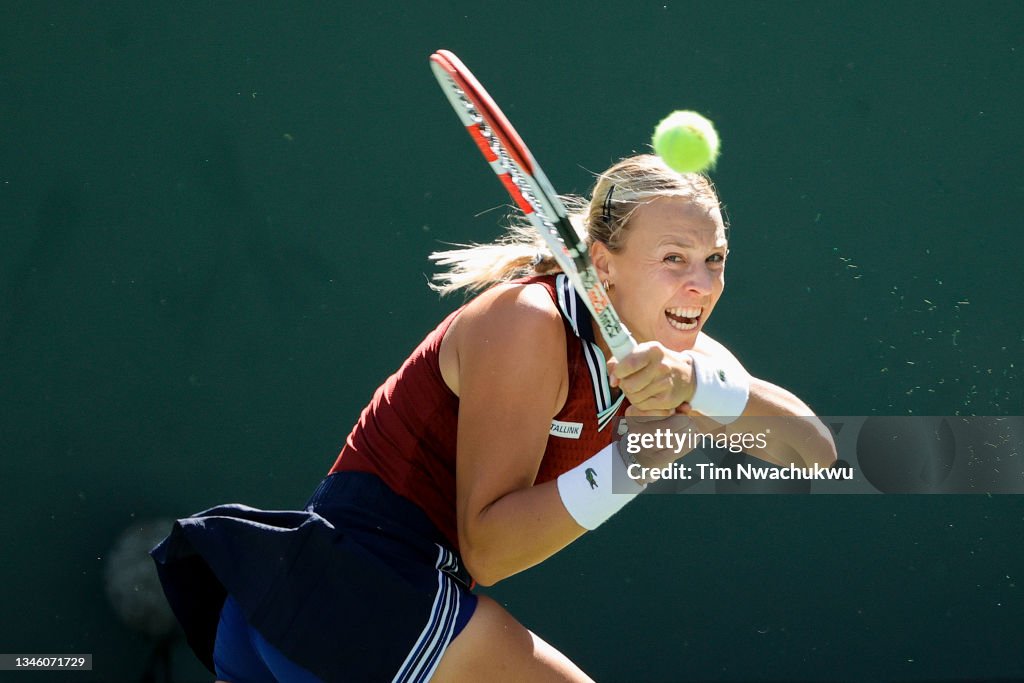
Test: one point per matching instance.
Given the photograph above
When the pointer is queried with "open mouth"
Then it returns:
(684, 319)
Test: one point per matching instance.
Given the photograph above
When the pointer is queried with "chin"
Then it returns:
(678, 340)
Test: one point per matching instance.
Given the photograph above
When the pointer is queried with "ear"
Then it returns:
(601, 255)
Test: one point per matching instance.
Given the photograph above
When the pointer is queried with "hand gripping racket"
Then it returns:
(530, 190)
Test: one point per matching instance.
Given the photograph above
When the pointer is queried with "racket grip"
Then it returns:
(622, 345)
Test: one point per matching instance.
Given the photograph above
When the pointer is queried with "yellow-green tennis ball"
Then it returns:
(686, 141)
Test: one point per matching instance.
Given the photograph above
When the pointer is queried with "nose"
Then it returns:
(699, 280)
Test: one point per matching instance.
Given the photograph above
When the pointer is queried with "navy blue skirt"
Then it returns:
(359, 586)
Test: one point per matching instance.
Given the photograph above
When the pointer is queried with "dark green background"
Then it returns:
(214, 223)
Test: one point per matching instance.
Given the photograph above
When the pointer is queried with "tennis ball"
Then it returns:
(686, 141)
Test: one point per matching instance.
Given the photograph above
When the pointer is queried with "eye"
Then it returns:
(675, 258)
(716, 258)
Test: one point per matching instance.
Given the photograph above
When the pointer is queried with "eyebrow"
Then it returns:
(675, 241)
(672, 240)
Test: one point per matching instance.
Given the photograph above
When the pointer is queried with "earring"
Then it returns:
(607, 286)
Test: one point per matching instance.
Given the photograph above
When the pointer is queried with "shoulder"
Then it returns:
(518, 310)
(510, 325)
(534, 294)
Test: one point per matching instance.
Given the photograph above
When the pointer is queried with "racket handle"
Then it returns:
(622, 344)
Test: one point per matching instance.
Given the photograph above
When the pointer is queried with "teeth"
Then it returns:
(686, 312)
(685, 327)
(690, 313)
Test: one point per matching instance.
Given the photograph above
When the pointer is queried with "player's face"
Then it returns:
(670, 272)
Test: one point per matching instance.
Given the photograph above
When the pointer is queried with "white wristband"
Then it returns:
(587, 489)
(722, 390)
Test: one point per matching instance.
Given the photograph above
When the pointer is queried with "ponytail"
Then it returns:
(618, 192)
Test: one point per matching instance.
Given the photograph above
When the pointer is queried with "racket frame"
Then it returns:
(530, 189)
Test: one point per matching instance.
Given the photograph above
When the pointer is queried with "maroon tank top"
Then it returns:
(407, 434)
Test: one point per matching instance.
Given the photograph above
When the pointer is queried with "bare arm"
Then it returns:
(663, 380)
(801, 439)
(509, 370)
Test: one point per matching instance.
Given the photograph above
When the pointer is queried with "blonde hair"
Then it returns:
(521, 252)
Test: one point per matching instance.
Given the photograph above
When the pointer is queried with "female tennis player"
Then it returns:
(488, 451)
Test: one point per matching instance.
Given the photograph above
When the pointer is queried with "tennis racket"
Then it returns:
(529, 188)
